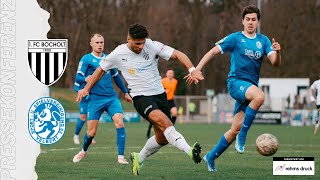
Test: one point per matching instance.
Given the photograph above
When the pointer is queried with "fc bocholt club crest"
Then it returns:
(48, 59)
(46, 122)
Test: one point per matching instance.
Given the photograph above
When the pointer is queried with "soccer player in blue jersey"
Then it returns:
(247, 49)
(81, 80)
(102, 98)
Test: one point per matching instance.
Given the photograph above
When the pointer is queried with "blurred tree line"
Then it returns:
(192, 26)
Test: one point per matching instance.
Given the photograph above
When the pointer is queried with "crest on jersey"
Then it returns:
(46, 120)
(258, 44)
(48, 59)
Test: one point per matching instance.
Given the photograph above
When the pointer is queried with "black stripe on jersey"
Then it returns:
(56, 65)
(47, 68)
(64, 60)
(29, 59)
(38, 67)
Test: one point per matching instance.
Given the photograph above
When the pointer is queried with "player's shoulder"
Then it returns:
(229, 37)
(236, 34)
(86, 57)
(317, 82)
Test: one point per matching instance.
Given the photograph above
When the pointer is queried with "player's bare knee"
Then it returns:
(119, 124)
(259, 99)
(118, 120)
(91, 133)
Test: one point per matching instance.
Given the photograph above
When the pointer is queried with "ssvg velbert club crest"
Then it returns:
(46, 122)
(48, 59)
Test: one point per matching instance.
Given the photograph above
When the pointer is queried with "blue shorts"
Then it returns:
(83, 106)
(96, 107)
(237, 89)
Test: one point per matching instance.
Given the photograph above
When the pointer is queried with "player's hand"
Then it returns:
(81, 94)
(189, 79)
(128, 98)
(87, 78)
(195, 76)
(275, 45)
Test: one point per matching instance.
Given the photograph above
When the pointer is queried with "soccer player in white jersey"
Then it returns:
(247, 49)
(138, 61)
(315, 89)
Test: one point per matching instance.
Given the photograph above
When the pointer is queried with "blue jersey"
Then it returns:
(103, 88)
(246, 55)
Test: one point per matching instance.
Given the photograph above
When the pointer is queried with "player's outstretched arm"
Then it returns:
(96, 76)
(275, 58)
(183, 58)
(205, 59)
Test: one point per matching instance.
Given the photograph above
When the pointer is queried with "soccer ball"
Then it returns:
(267, 144)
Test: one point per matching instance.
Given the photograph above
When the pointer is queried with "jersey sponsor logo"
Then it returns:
(48, 59)
(252, 54)
(46, 120)
(258, 44)
(132, 71)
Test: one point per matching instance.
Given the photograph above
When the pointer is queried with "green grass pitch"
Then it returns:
(55, 161)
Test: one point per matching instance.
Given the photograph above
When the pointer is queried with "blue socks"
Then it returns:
(121, 140)
(219, 148)
(86, 142)
(79, 126)
(247, 122)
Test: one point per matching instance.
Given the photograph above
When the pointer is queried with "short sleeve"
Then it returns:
(162, 50)
(226, 44)
(106, 63)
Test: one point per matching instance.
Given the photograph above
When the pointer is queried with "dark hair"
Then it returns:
(138, 31)
(251, 9)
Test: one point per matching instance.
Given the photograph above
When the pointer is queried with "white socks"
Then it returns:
(149, 148)
(176, 139)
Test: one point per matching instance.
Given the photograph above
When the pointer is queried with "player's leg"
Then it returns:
(174, 112)
(95, 109)
(256, 98)
(149, 130)
(114, 109)
(87, 140)
(316, 126)
(149, 108)
(151, 147)
(159, 116)
(83, 105)
(226, 139)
